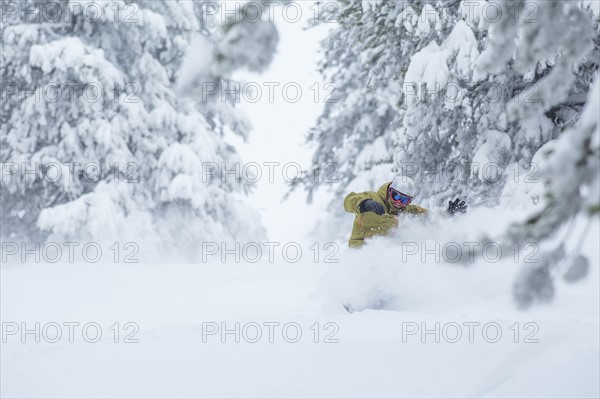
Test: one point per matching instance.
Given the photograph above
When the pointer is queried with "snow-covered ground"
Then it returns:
(182, 310)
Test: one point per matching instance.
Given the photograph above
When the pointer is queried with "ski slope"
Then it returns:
(182, 352)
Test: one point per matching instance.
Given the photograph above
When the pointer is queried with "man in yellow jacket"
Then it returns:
(377, 212)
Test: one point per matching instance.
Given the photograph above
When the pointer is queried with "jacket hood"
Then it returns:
(383, 190)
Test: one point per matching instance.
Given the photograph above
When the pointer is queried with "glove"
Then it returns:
(456, 206)
(371, 206)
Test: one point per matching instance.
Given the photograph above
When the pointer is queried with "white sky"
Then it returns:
(280, 127)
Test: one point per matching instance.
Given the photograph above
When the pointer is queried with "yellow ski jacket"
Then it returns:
(370, 224)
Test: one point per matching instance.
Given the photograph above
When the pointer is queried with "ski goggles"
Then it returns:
(399, 197)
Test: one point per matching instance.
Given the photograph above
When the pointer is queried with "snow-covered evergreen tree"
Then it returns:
(420, 91)
(552, 51)
(566, 36)
(493, 116)
(127, 155)
(438, 131)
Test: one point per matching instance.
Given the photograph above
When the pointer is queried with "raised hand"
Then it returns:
(456, 206)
